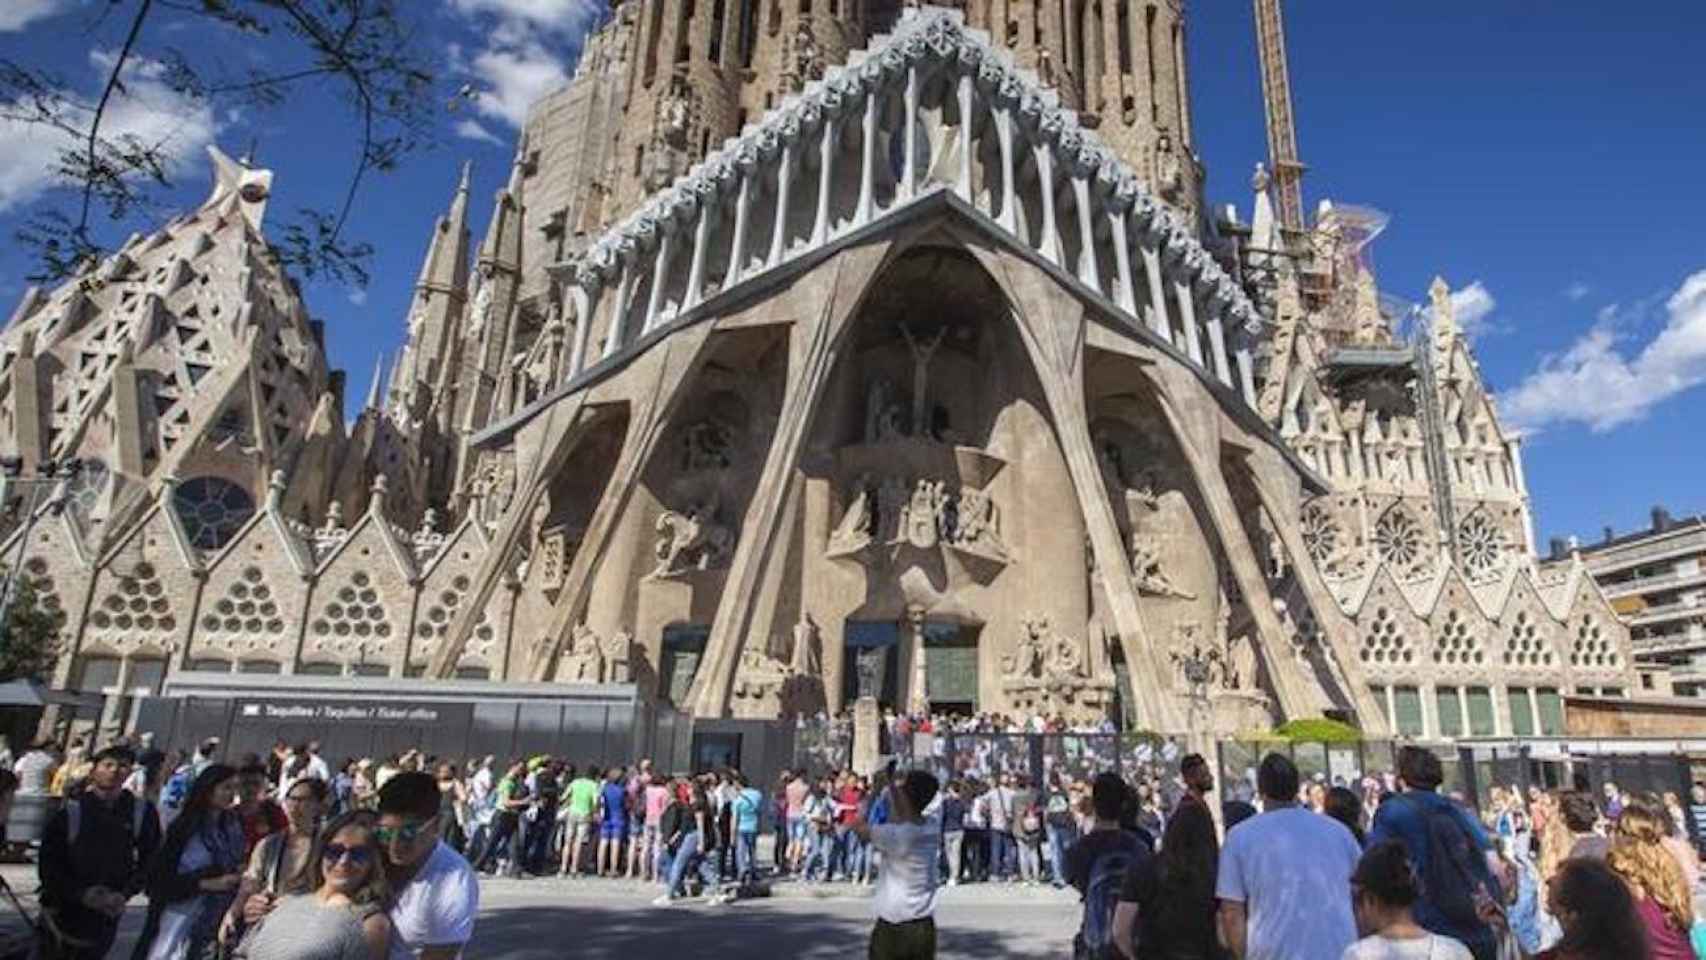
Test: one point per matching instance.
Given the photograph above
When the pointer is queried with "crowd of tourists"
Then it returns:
(289, 855)
(250, 857)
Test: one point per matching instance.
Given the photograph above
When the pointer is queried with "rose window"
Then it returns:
(1399, 538)
(212, 510)
(1482, 546)
(1320, 535)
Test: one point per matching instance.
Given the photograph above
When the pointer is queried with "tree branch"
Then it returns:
(101, 108)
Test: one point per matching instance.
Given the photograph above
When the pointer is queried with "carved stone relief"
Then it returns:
(691, 539)
(1046, 673)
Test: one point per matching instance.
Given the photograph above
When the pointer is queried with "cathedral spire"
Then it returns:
(436, 309)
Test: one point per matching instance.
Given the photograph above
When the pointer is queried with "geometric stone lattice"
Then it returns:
(437, 620)
(1592, 648)
(353, 614)
(1385, 643)
(248, 610)
(137, 606)
(1458, 644)
(46, 594)
(1525, 647)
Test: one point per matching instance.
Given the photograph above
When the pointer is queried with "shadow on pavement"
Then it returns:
(736, 931)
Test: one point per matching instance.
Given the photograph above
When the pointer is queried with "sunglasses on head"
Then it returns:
(359, 856)
(407, 833)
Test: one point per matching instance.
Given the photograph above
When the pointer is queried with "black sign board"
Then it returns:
(368, 712)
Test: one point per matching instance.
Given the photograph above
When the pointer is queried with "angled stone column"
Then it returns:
(1198, 433)
(1041, 306)
(1281, 497)
(824, 301)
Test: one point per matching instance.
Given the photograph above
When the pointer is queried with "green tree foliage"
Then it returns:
(1317, 730)
(29, 648)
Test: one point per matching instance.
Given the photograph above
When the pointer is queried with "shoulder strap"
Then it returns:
(73, 820)
(275, 858)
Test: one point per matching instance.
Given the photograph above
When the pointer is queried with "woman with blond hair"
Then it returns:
(343, 917)
(1555, 837)
(1662, 897)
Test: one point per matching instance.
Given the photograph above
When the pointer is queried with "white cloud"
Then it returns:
(566, 16)
(527, 47)
(1596, 383)
(510, 79)
(469, 129)
(143, 107)
(358, 296)
(1470, 307)
(1576, 291)
(18, 14)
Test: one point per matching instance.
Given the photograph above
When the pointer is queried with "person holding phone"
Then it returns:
(905, 900)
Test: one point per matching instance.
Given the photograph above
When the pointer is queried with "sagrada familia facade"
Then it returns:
(813, 350)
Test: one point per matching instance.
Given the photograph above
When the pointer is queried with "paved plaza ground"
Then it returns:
(553, 918)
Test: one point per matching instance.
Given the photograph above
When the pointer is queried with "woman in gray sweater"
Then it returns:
(344, 918)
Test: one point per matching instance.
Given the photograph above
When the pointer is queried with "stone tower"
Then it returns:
(665, 82)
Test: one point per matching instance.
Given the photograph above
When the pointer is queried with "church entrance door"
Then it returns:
(950, 667)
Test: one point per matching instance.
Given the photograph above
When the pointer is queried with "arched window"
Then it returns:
(212, 510)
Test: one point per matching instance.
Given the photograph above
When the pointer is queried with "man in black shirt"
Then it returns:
(93, 852)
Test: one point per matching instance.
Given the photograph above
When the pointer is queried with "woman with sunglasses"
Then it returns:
(344, 917)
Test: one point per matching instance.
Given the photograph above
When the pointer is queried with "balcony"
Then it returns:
(1657, 581)
(1665, 613)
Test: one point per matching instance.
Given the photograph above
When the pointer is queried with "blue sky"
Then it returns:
(1544, 158)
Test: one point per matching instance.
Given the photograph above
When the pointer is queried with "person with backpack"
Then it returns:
(1062, 827)
(177, 789)
(94, 851)
(1451, 854)
(1096, 867)
(1282, 876)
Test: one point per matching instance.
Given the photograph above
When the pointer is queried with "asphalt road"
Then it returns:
(554, 918)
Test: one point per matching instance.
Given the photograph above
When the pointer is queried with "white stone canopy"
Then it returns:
(1022, 162)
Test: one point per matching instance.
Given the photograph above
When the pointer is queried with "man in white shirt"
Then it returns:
(436, 894)
(1284, 876)
(905, 899)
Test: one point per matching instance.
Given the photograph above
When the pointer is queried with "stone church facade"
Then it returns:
(851, 349)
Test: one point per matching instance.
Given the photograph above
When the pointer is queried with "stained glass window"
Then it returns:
(212, 510)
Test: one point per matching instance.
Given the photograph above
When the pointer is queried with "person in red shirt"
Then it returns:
(848, 852)
(261, 814)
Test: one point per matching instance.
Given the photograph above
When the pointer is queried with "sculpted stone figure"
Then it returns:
(975, 523)
(691, 539)
(808, 648)
(584, 661)
(1146, 568)
(868, 665)
(481, 312)
(615, 654)
(921, 518)
(854, 530)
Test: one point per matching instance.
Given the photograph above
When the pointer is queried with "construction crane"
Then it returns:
(1282, 130)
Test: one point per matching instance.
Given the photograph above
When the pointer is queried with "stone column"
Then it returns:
(912, 649)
